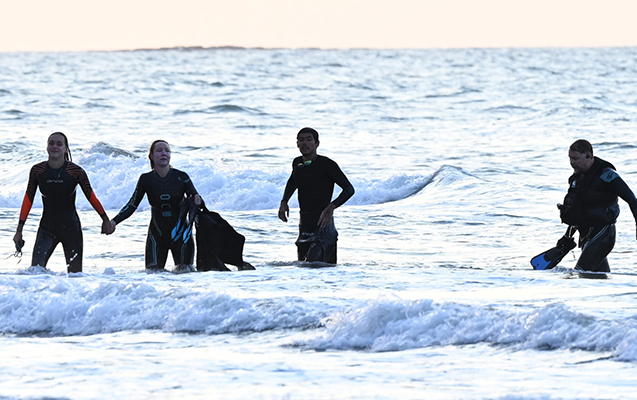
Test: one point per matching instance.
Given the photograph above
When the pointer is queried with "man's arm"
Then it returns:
(284, 209)
(347, 192)
(623, 191)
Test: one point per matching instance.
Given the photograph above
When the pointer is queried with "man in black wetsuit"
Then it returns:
(591, 205)
(314, 176)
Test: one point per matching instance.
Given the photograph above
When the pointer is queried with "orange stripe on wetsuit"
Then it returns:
(74, 171)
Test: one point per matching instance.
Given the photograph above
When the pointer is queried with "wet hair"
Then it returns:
(67, 153)
(309, 130)
(582, 146)
(151, 149)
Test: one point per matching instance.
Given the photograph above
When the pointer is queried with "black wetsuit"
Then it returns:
(591, 205)
(315, 182)
(165, 196)
(60, 222)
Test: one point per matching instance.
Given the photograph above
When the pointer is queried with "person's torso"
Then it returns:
(58, 188)
(165, 196)
(314, 182)
(595, 195)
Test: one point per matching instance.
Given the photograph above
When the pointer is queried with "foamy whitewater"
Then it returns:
(458, 158)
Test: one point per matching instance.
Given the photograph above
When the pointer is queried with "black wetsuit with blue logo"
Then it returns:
(165, 196)
(591, 205)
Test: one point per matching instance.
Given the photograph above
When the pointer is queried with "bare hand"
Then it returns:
(17, 238)
(326, 216)
(197, 200)
(108, 227)
(284, 212)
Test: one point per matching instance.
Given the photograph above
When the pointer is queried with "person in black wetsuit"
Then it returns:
(591, 205)
(314, 176)
(165, 187)
(58, 178)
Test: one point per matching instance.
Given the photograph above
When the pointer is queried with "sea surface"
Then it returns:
(458, 158)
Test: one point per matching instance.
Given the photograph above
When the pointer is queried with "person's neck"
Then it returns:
(310, 157)
(162, 171)
(55, 163)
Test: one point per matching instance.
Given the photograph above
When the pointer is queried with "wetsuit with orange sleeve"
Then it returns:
(164, 196)
(60, 222)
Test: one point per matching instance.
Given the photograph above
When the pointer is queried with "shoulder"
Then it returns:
(39, 167)
(329, 164)
(75, 170)
(180, 174)
(146, 176)
(608, 175)
(297, 161)
(607, 171)
(71, 166)
(326, 160)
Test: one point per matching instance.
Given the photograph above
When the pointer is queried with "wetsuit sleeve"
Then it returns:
(132, 204)
(622, 190)
(85, 184)
(32, 186)
(189, 189)
(290, 187)
(341, 180)
(189, 186)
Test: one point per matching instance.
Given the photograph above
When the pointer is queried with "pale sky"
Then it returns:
(78, 25)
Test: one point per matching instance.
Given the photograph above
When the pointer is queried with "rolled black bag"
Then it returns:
(217, 242)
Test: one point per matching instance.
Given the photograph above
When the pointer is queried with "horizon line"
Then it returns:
(233, 47)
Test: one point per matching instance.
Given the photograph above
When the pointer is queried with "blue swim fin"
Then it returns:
(550, 258)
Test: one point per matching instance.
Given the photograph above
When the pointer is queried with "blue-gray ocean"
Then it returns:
(458, 158)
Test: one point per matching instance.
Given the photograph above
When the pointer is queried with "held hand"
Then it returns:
(108, 227)
(326, 216)
(284, 212)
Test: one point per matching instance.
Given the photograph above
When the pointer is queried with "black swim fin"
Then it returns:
(550, 258)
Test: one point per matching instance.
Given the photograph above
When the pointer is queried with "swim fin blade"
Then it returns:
(550, 258)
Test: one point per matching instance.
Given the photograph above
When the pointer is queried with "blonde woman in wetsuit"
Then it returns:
(165, 187)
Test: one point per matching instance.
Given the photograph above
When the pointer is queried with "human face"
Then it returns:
(56, 146)
(307, 145)
(581, 162)
(161, 154)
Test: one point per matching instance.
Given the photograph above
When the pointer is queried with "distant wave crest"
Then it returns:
(223, 108)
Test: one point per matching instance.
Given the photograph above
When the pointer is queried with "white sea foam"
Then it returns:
(114, 173)
(395, 325)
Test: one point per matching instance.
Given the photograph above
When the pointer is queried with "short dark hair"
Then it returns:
(309, 130)
(582, 146)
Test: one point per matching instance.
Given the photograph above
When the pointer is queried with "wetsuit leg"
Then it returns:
(301, 249)
(307, 226)
(595, 250)
(331, 254)
(183, 253)
(73, 244)
(156, 253)
(45, 243)
(325, 238)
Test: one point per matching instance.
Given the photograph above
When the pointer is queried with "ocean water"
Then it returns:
(458, 158)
